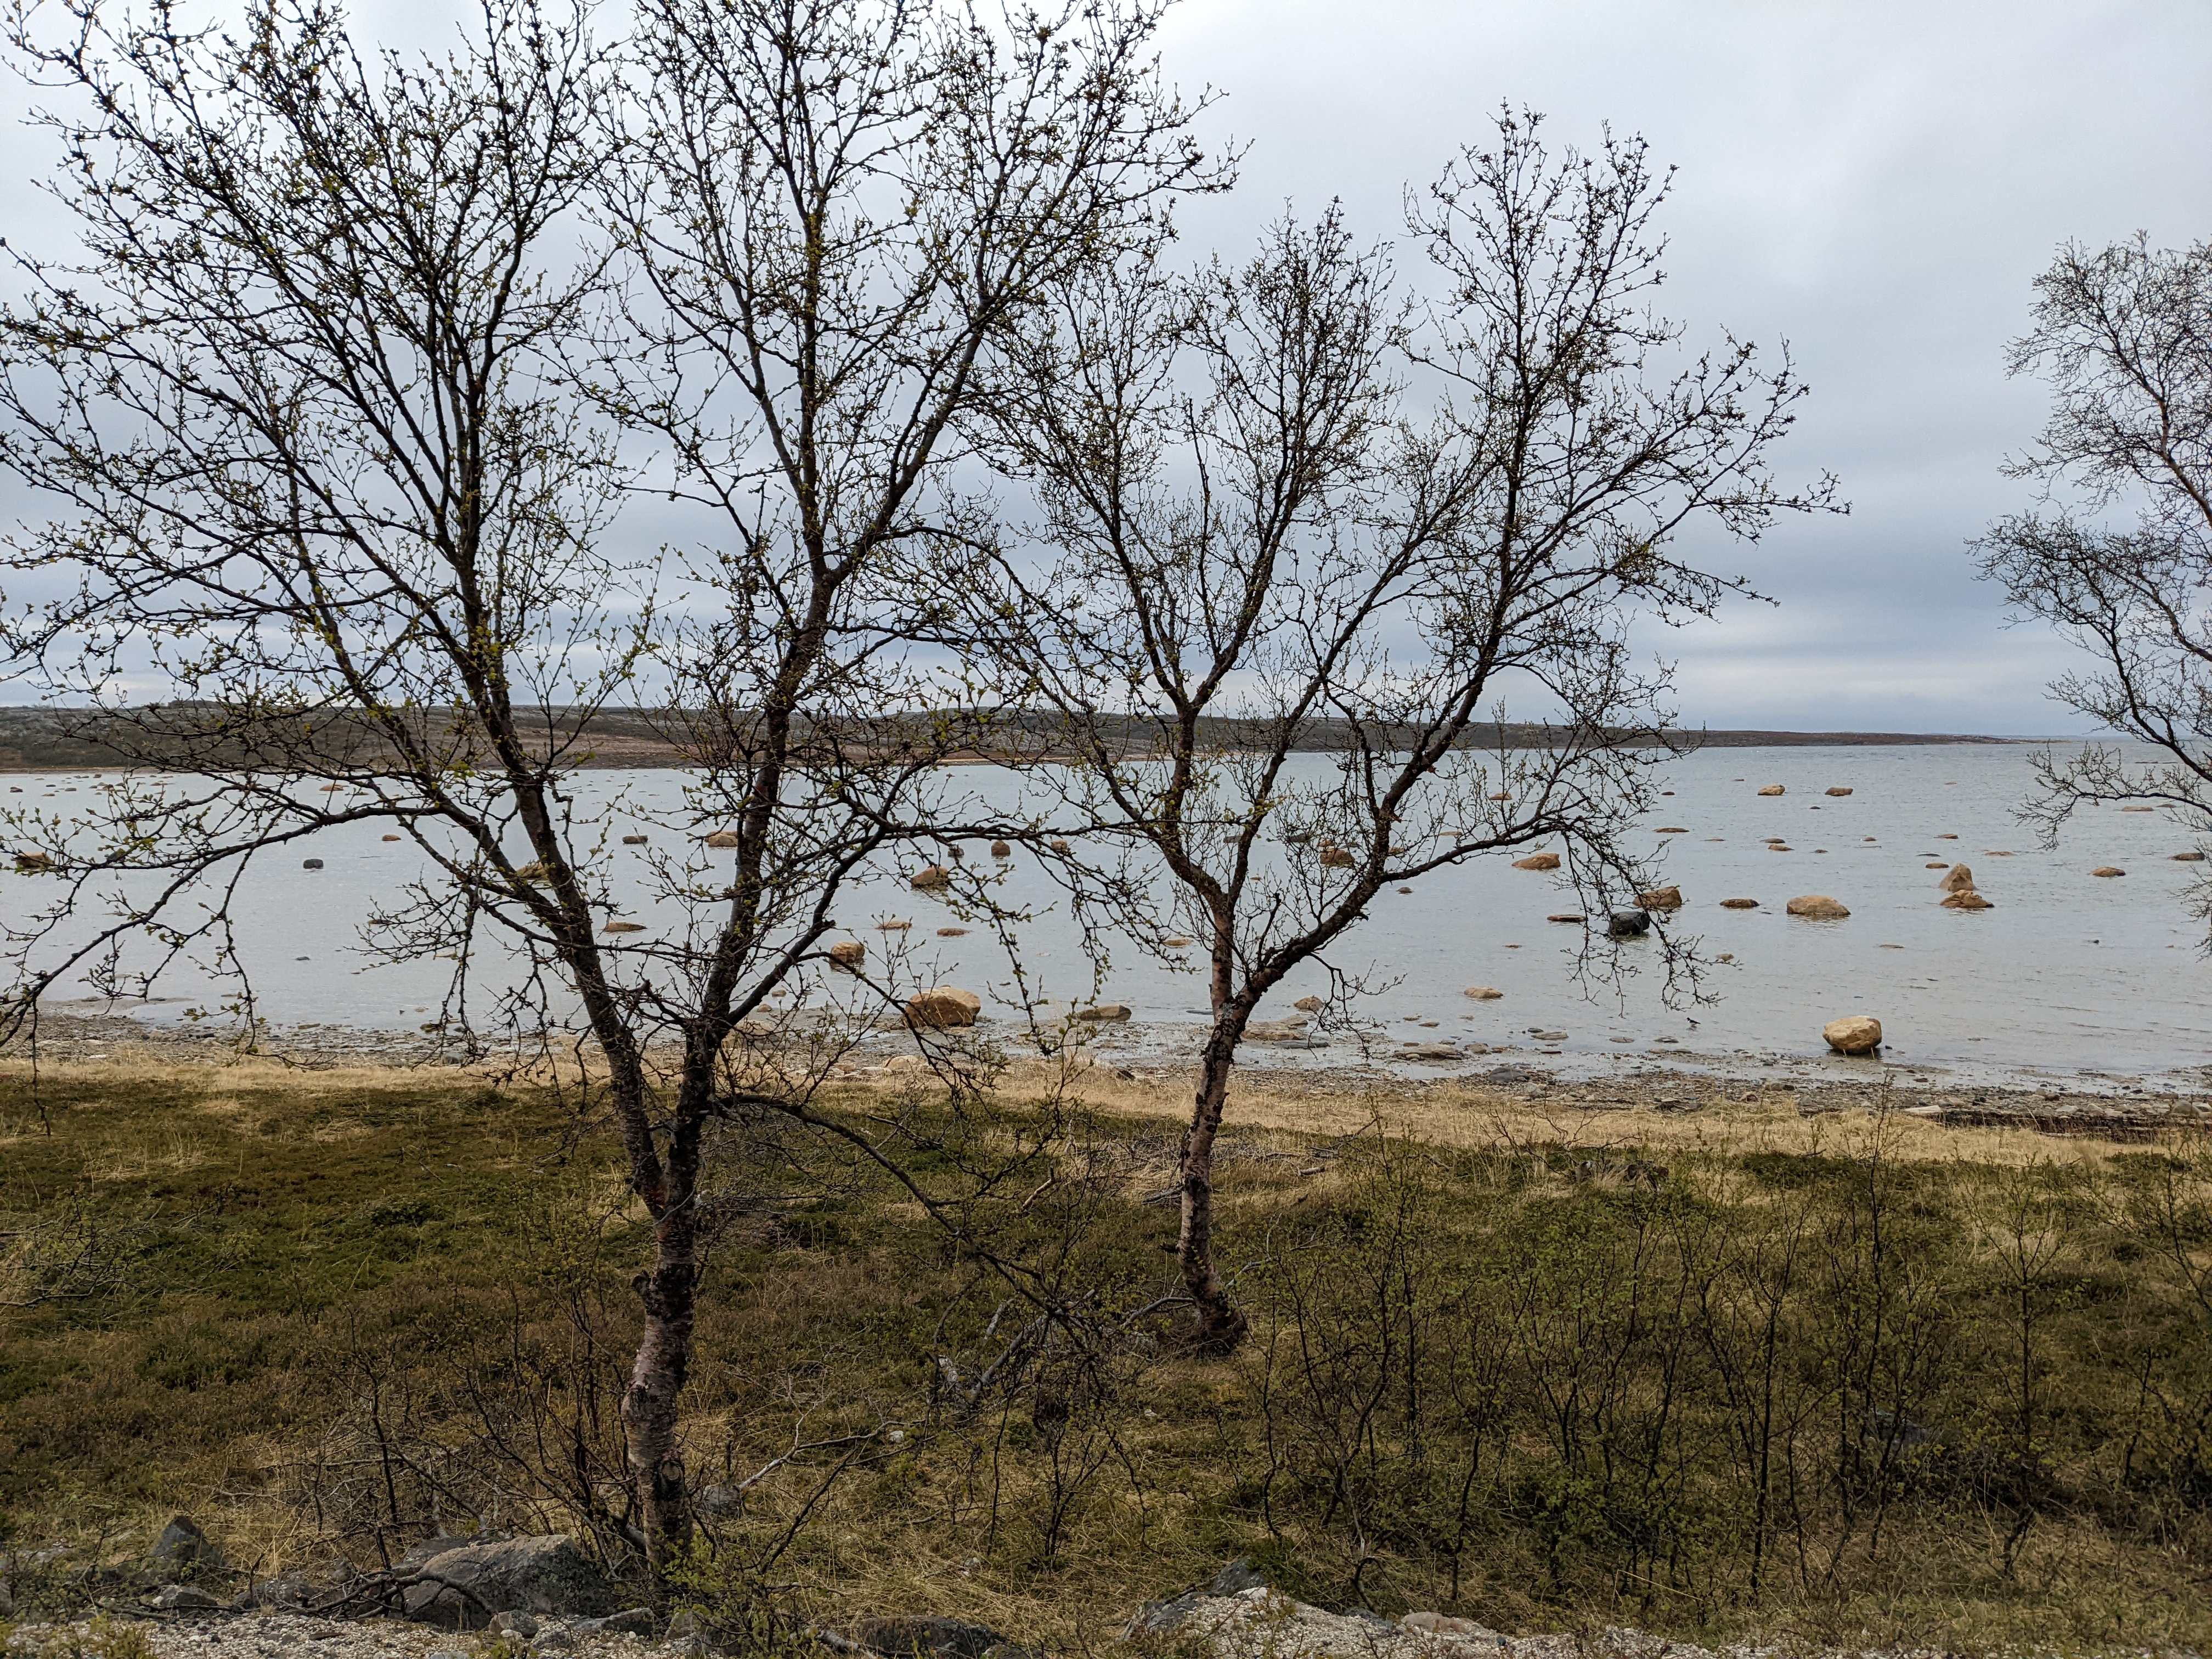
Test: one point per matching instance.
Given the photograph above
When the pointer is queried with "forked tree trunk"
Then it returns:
(1220, 1324)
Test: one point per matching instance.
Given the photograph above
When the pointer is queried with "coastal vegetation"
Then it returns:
(1859, 1377)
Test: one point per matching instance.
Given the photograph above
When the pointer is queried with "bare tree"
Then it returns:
(2122, 336)
(336, 400)
(1294, 557)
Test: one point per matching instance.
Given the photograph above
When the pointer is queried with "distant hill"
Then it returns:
(50, 739)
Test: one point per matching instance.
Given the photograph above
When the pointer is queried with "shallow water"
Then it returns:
(2069, 974)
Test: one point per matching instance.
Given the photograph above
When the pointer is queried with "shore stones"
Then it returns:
(1856, 1034)
(1484, 993)
(1774, 789)
(930, 877)
(1817, 907)
(1106, 1012)
(1538, 861)
(944, 1006)
(2108, 870)
(1959, 880)
(1966, 899)
(1660, 898)
(1739, 904)
(723, 841)
(1839, 791)
(459, 1584)
(849, 955)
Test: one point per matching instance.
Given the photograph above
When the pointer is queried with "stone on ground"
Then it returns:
(944, 1004)
(1855, 1033)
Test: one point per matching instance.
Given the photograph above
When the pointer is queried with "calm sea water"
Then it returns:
(2070, 976)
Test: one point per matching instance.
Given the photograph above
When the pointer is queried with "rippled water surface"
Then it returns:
(2068, 974)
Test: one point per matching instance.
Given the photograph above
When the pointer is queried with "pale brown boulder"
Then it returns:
(848, 954)
(1335, 857)
(1484, 993)
(1564, 916)
(1059, 845)
(1856, 1034)
(1774, 789)
(1308, 1004)
(396, 838)
(624, 928)
(1817, 907)
(893, 927)
(933, 876)
(1177, 943)
(2139, 809)
(1670, 829)
(1960, 880)
(951, 933)
(1739, 904)
(1001, 850)
(1964, 899)
(1660, 898)
(1104, 1013)
(2189, 858)
(2108, 870)
(1839, 791)
(1538, 861)
(944, 1004)
(723, 839)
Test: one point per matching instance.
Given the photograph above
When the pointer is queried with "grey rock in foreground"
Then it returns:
(460, 1584)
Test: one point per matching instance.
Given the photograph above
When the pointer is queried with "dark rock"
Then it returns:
(1508, 1074)
(1628, 924)
(944, 1639)
(183, 1546)
(513, 1623)
(311, 864)
(461, 1586)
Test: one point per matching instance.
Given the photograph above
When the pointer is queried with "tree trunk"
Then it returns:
(670, 1293)
(1220, 1324)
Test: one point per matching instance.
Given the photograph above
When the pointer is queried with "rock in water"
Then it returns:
(1105, 1013)
(1856, 1034)
(1001, 850)
(1959, 880)
(2189, 858)
(2108, 870)
(624, 928)
(944, 1005)
(1627, 924)
(1966, 899)
(461, 1584)
(1484, 993)
(1538, 861)
(1739, 904)
(1308, 1004)
(848, 954)
(930, 877)
(1660, 898)
(1817, 907)
(1774, 789)
(1058, 845)
(305, 864)
(1839, 792)
(723, 839)
(1335, 857)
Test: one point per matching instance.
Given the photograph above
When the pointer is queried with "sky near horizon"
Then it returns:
(1875, 182)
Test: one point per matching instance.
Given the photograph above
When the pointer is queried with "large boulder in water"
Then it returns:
(1966, 899)
(1817, 907)
(944, 1004)
(1660, 898)
(1538, 861)
(1956, 879)
(1856, 1034)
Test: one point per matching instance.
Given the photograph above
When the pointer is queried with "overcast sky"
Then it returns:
(1877, 182)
